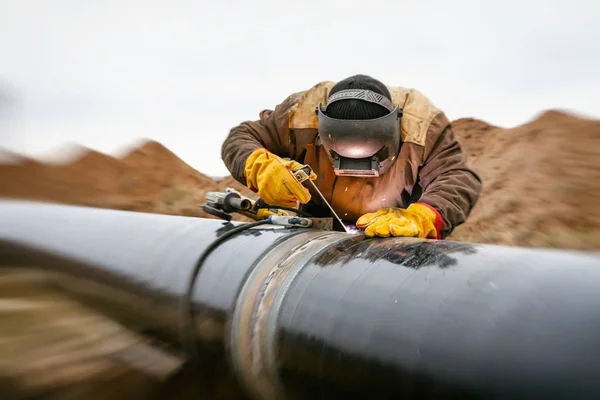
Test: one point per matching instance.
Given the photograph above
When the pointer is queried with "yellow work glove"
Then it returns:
(418, 220)
(271, 176)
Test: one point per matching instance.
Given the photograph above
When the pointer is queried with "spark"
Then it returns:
(351, 228)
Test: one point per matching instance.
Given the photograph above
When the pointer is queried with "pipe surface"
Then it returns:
(304, 313)
(147, 256)
(440, 320)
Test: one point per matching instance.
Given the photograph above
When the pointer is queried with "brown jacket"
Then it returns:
(430, 167)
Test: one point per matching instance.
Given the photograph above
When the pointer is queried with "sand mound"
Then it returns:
(541, 182)
(150, 179)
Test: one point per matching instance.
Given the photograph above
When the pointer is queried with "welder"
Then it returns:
(384, 157)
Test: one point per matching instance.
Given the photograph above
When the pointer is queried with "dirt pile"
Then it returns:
(149, 179)
(541, 182)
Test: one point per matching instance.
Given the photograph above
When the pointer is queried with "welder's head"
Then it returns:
(360, 127)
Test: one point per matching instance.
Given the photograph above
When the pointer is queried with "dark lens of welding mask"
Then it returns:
(361, 148)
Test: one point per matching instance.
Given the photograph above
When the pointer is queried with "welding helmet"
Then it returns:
(360, 147)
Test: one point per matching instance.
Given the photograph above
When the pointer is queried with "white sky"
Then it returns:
(105, 73)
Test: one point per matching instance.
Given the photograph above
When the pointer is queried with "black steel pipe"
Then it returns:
(315, 314)
(138, 263)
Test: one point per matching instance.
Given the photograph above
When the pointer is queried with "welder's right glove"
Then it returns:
(418, 220)
(271, 177)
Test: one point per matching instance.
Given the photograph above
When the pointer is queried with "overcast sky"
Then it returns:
(105, 73)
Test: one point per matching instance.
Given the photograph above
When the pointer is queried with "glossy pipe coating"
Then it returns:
(304, 313)
(139, 263)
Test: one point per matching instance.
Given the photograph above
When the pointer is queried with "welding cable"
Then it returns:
(187, 322)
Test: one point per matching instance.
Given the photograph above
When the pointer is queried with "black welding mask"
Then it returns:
(361, 148)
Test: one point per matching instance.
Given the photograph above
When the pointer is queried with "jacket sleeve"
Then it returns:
(270, 131)
(448, 185)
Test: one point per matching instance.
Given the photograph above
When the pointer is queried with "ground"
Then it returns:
(150, 179)
(541, 182)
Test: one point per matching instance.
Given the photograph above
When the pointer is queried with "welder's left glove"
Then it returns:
(418, 220)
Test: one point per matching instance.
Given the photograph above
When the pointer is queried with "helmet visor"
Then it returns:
(361, 147)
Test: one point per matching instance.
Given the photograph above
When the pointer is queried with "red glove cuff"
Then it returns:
(439, 221)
